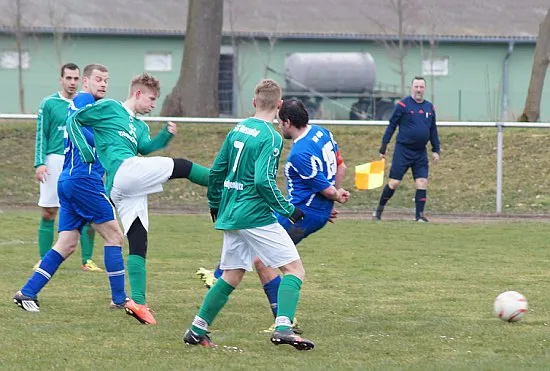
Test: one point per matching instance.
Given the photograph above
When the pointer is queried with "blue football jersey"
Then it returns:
(73, 165)
(311, 167)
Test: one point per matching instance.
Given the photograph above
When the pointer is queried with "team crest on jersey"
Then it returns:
(276, 152)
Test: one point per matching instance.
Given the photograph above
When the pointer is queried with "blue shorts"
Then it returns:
(83, 200)
(405, 158)
(311, 223)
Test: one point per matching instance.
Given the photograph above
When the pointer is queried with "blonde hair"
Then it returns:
(267, 95)
(147, 81)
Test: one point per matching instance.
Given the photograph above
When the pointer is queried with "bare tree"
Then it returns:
(433, 43)
(531, 112)
(396, 44)
(196, 91)
(266, 56)
(57, 15)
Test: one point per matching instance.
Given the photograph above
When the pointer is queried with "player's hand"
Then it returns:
(333, 215)
(435, 157)
(296, 216)
(214, 215)
(172, 128)
(343, 196)
(41, 173)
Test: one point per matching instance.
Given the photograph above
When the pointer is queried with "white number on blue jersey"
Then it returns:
(330, 159)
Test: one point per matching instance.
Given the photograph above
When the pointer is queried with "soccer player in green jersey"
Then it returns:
(119, 137)
(48, 162)
(242, 196)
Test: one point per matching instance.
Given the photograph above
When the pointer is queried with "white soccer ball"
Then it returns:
(510, 306)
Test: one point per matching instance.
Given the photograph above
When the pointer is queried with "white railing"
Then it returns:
(498, 125)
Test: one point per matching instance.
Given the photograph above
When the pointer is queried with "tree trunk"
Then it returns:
(531, 113)
(196, 91)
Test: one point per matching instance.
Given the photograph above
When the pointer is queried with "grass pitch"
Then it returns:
(378, 296)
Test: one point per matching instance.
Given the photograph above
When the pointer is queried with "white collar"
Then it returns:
(62, 97)
(130, 112)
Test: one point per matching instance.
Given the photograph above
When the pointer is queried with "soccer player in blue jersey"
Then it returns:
(415, 117)
(314, 171)
(83, 200)
(48, 161)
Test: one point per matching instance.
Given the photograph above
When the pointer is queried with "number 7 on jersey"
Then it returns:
(239, 145)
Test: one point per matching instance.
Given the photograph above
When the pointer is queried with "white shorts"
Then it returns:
(136, 178)
(270, 243)
(48, 189)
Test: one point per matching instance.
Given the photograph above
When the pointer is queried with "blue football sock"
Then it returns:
(114, 265)
(218, 272)
(49, 264)
(271, 290)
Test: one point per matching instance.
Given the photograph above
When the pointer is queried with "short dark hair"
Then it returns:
(295, 111)
(95, 66)
(418, 78)
(68, 66)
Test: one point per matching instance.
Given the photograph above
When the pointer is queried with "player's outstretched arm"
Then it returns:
(146, 144)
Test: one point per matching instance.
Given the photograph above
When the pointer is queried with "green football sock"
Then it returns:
(289, 293)
(213, 302)
(199, 174)
(87, 243)
(45, 236)
(137, 275)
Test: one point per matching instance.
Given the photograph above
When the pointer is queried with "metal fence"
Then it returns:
(499, 126)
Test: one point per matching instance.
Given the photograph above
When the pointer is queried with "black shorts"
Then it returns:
(405, 158)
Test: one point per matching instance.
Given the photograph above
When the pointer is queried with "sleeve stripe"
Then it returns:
(39, 138)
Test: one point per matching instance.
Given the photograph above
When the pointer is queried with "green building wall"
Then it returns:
(472, 91)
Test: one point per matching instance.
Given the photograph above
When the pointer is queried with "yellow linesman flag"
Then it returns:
(370, 175)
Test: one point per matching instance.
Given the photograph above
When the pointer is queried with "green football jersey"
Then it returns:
(50, 127)
(118, 135)
(242, 182)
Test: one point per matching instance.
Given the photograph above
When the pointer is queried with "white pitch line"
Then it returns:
(16, 242)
